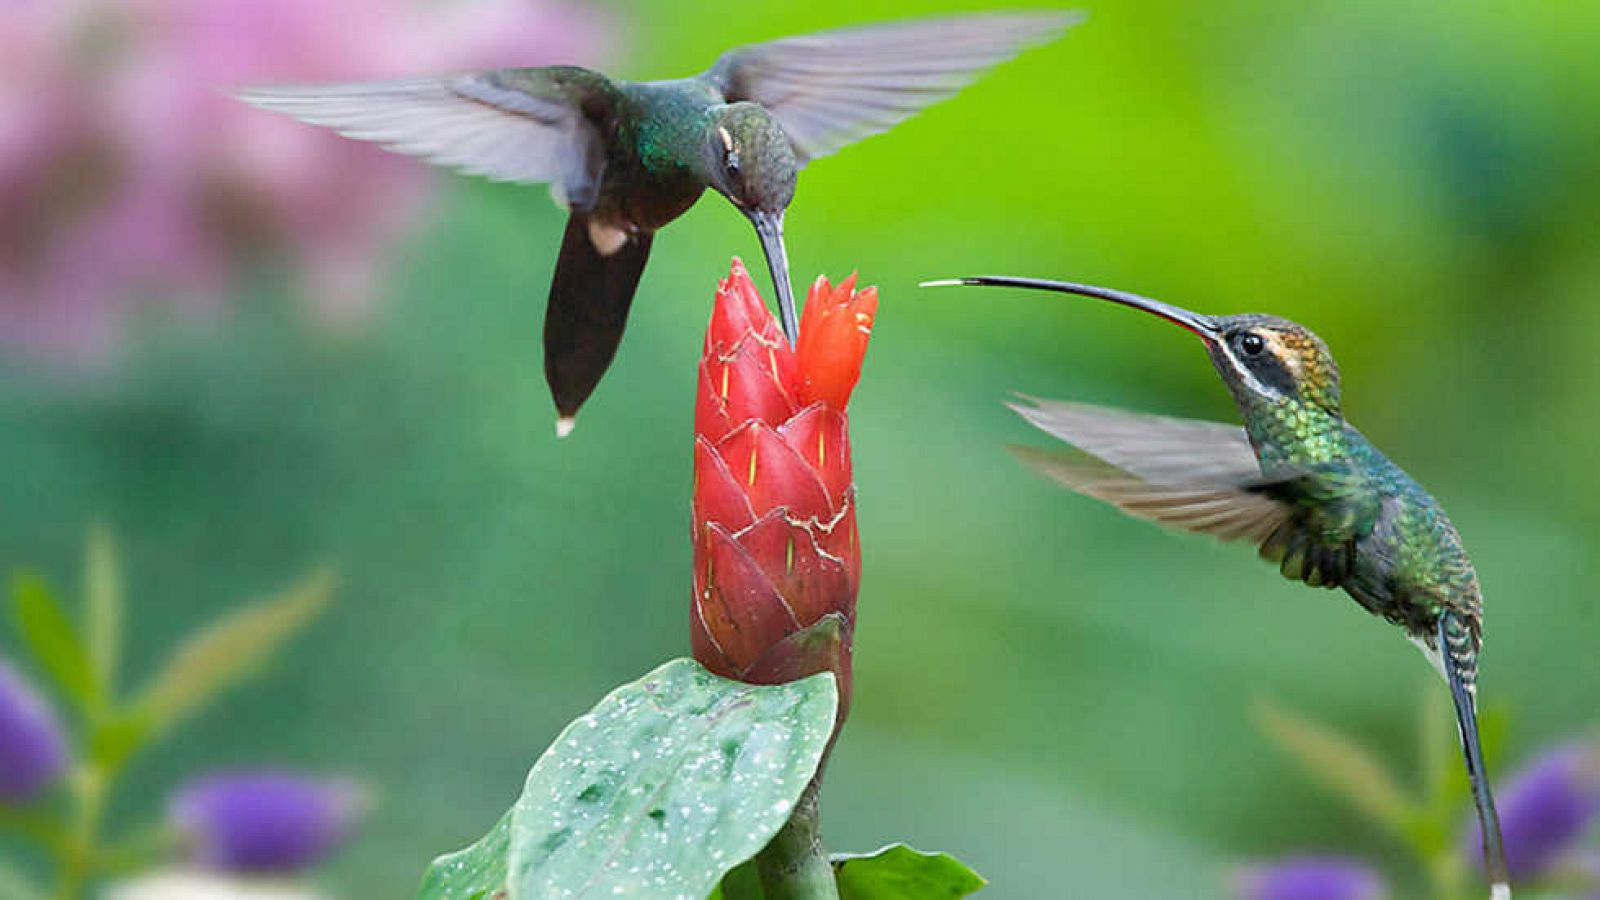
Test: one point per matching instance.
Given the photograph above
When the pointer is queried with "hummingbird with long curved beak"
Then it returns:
(627, 158)
(1298, 481)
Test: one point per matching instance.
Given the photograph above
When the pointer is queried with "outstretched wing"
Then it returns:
(1204, 477)
(831, 89)
(1221, 511)
(1155, 448)
(522, 125)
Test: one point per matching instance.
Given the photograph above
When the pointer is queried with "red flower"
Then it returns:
(777, 562)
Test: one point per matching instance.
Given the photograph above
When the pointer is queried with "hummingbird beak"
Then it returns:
(1205, 327)
(769, 227)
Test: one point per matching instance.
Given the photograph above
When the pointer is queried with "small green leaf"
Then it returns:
(118, 736)
(664, 786)
(1341, 765)
(898, 872)
(103, 606)
(228, 651)
(473, 873)
(52, 640)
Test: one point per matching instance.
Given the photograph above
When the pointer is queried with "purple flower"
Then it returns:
(265, 821)
(127, 178)
(1310, 878)
(33, 748)
(1545, 809)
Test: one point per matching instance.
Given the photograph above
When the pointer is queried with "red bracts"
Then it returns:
(776, 554)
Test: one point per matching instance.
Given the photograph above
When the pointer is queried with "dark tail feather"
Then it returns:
(1458, 650)
(588, 310)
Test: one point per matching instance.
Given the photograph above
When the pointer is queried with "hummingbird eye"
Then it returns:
(1252, 344)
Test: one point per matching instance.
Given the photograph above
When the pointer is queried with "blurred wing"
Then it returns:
(523, 125)
(1153, 448)
(831, 89)
(1228, 513)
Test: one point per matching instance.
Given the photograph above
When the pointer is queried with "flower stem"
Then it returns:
(78, 852)
(794, 866)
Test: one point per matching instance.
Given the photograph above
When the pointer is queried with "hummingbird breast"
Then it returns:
(649, 180)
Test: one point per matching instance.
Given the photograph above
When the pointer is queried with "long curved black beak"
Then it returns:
(1204, 326)
(769, 227)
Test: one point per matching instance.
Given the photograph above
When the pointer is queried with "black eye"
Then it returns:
(1252, 344)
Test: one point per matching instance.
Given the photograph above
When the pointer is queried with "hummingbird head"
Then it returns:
(1271, 359)
(748, 159)
(1265, 360)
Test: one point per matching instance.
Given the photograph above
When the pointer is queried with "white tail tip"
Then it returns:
(1500, 892)
(564, 426)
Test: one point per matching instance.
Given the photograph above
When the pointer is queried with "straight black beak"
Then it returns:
(769, 227)
(1204, 326)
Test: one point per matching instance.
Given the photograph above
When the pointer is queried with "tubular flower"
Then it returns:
(33, 746)
(777, 560)
(265, 821)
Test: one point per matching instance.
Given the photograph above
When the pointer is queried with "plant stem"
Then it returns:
(794, 866)
(78, 851)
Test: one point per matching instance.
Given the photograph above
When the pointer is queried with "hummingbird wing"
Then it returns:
(1221, 511)
(1205, 477)
(834, 88)
(1154, 448)
(1176, 472)
(522, 125)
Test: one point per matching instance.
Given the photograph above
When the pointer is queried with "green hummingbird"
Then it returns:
(1298, 481)
(627, 158)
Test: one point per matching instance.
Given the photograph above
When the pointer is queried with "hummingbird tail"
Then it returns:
(589, 301)
(1458, 650)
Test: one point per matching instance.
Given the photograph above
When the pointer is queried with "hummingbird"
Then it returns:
(627, 158)
(1298, 481)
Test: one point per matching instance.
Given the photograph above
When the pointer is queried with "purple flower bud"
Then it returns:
(1545, 809)
(266, 821)
(1310, 878)
(33, 748)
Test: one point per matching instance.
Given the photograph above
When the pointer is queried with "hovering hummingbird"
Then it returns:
(627, 158)
(1298, 481)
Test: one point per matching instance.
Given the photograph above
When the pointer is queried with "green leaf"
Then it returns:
(103, 606)
(52, 640)
(898, 872)
(228, 651)
(658, 791)
(473, 873)
(1341, 765)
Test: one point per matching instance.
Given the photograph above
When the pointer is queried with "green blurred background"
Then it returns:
(1042, 685)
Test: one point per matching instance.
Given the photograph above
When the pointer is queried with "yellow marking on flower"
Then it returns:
(822, 447)
(753, 464)
(788, 562)
(772, 362)
(725, 370)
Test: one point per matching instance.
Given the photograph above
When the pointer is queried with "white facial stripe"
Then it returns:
(1248, 377)
(727, 138)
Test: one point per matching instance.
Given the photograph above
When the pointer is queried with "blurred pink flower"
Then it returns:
(129, 178)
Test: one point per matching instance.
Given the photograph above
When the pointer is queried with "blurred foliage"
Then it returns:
(78, 653)
(1040, 682)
